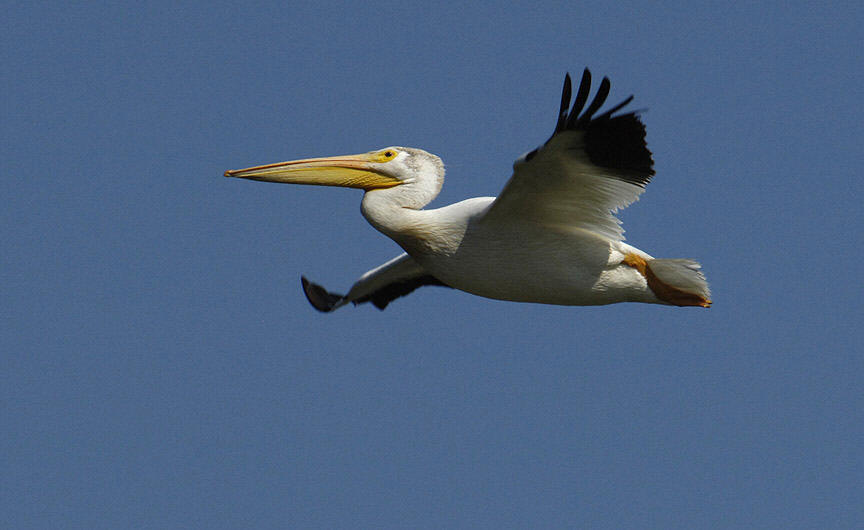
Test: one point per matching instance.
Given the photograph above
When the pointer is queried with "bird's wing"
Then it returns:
(591, 167)
(398, 277)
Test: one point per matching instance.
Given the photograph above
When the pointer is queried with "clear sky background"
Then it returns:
(161, 367)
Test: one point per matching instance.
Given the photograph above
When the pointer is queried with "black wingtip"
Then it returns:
(320, 298)
(566, 94)
(581, 98)
(599, 99)
(616, 108)
(612, 141)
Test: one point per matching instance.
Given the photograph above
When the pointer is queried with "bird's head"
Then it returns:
(415, 171)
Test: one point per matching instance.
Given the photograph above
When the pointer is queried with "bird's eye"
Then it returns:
(384, 155)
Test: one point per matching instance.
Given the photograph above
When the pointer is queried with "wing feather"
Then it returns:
(589, 168)
(581, 98)
(381, 285)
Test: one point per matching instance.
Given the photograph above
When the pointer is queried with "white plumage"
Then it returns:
(550, 237)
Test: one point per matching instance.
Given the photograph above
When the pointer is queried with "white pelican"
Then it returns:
(551, 237)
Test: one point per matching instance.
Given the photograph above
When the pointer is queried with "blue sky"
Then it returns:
(161, 367)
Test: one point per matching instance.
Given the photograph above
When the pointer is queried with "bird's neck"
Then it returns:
(415, 230)
(387, 213)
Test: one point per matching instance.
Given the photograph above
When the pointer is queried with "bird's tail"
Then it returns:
(674, 281)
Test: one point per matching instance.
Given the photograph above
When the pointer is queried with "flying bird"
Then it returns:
(550, 237)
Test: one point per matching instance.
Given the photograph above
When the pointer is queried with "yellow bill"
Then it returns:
(350, 171)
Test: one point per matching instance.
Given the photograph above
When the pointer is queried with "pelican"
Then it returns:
(550, 237)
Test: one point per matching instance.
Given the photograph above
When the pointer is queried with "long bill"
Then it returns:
(350, 171)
